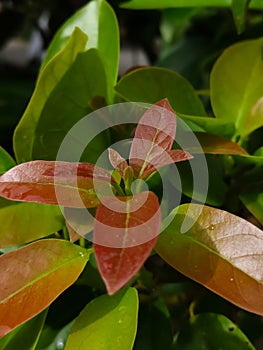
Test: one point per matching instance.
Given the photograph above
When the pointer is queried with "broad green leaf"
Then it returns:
(253, 200)
(235, 86)
(211, 125)
(6, 161)
(155, 4)
(153, 140)
(25, 222)
(151, 84)
(107, 322)
(49, 78)
(64, 183)
(209, 331)
(154, 327)
(254, 118)
(98, 20)
(125, 232)
(33, 276)
(24, 337)
(214, 144)
(239, 9)
(217, 249)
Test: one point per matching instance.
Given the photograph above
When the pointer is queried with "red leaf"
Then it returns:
(153, 140)
(67, 184)
(117, 161)
(125, 232)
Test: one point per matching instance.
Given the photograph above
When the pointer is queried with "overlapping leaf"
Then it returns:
(219, 250)
(67, 184)
(107, 322)
(42, 271)
(125, 232)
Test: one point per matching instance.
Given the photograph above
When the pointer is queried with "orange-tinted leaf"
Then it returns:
(214, 144)
(219, 250)
(33, 276)
(67, 184)
(125, 232)
(154, 135)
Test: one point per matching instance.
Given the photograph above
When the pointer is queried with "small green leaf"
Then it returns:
(253, 200)
(152, 84)
(47, 265)
(107, 322)
(98, 21)
(209, 331)
(239, 8)
(235, 87)
(6, 161)
(217, 249)
(25, 336)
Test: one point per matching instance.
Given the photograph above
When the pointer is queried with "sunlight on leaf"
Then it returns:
(220, 250)
(43, 270)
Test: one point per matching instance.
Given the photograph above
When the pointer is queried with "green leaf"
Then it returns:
(211, 331)
(47, 82)
(6, 161)
(98, 20)
(239, 9)
(52, 338)
(253, 200)
(254, 118)
(107, 322)
(25, 222)
(25, 336)
(48, 265)
(125, 232)
(152, 84)
(155, 4)
(217, 249)
(235, 87)
(154, 327)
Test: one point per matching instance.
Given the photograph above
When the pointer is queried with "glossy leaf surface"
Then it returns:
(25, 222)
(125, 232)
(47, 82)
(63, 183)
(211, 331)
(107, 322)
(98, 21)
(152, 84)
(153, 140)
(25, 336)
(233, 97)
(219, 250)
(43, 270)
(155, 4)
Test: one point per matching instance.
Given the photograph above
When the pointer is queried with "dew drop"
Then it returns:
(211, 227)
(120, 321)
(81, 254)
(60, 344)
(231, 279)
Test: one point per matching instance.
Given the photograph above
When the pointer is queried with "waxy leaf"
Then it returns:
(42, 270)
(234, 94)
(47, 82)
(125, 232)
(107, 322)
(219, 250)
(153, 140)
(25, 336)
(25, 222)
(151, 84)
(98, 21)
(214, 144)
(208, 331)
(63, 183)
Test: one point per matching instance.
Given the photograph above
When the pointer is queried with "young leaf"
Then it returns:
(235, 87)
(64, 183)
(107, 322)
(151, 84)
(125, 232)
(219, 250)
(117, 161)
(43, 270)
(211, 331)
(153, 140)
